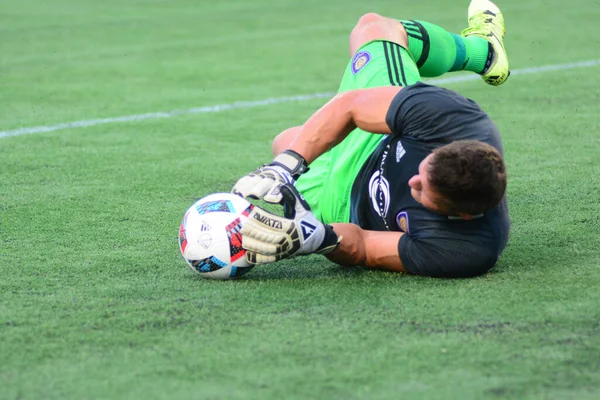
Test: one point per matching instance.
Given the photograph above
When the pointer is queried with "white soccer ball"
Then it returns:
(210, 239)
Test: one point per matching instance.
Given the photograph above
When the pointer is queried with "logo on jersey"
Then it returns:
(379, 191)
(402, 221)
(400, 152)
(360, 59)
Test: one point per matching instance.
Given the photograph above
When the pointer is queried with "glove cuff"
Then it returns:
(291, 161)
(330, 242)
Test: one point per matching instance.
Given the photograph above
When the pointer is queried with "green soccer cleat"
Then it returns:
(486, 21)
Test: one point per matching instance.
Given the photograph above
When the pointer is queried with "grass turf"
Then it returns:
(95, 301)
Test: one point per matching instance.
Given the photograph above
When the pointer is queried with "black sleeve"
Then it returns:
(444, 258)
(433, 114)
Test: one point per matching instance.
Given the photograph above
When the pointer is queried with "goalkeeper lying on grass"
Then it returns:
(403, 176)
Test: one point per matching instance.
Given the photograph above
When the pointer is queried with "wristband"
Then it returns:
(331, 241)
(291, 161)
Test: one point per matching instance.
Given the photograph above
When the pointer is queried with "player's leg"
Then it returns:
(487, 22)
(379, 46)
(372, 27)
(283, 141)
(479, 48)
(437, 51)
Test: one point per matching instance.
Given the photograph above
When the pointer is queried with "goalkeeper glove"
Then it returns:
(265, 183)
(268, 237)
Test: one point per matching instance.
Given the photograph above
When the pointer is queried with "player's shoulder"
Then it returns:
(435, 245)
(434, 96)
(482, 229)
(433, 114)
(447, 255)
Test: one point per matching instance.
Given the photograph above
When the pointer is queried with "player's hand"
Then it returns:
(268, 237)
(266, 181)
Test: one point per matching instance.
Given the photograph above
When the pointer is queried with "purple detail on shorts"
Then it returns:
(360, 59)
(402, 221)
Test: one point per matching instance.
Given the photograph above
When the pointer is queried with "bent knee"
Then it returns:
(365, 21)
(278, 145)
(368, 19)
(283, 141)
(373, 26)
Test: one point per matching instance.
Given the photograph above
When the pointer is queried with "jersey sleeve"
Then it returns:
(444, 258)
(433, 114)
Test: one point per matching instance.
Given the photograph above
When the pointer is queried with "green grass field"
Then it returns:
(96, 301)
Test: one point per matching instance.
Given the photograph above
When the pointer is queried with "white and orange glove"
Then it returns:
(265, 182)
(269, 238)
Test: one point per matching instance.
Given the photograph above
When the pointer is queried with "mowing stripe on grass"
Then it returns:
(265, 102)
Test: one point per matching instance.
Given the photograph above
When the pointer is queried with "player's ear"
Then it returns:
(415, 182)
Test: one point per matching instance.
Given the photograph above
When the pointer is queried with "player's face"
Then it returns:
(421, 189)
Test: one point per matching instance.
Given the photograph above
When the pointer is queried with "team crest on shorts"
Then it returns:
(402, 221)
(360, 59)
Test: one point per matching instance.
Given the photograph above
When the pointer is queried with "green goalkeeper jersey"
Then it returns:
(328, 183)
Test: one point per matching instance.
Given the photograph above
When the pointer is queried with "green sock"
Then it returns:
(437, 51)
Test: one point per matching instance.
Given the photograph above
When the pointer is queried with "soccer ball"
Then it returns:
(210, 239)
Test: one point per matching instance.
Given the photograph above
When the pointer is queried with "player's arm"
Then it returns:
(268, 237)
(372, 249)
(362, 108)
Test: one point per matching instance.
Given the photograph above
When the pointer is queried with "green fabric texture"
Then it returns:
(328, 183)
(438, 51)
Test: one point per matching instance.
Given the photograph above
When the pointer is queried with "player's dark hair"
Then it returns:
(469, 175)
